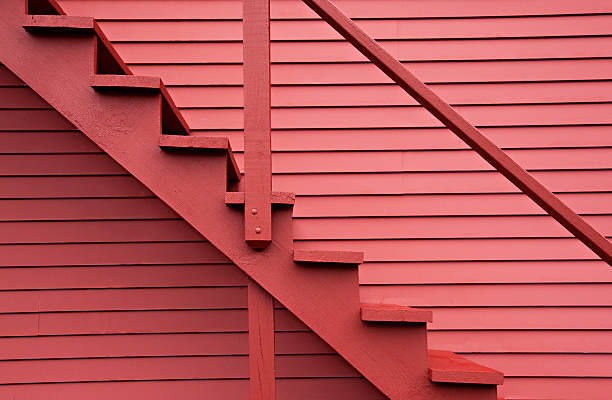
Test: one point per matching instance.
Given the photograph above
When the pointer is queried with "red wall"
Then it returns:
(106, 293)
(373, 171)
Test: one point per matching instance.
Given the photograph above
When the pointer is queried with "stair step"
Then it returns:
(326, 256)
(277, 198)
(173, 122)
(108, 82)
(394, 313)
(446, 366)
(58, 23)
(202, 143)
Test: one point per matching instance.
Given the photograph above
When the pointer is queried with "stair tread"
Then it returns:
(126, 82)
(394, 313)
(279, 198)
(328, 256)
(195, 143)
(446, 366)
(58, 23)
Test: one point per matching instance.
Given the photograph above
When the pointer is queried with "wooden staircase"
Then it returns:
(133, 117)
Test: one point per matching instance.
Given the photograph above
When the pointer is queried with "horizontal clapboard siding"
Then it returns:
(306, 367)
(104, 291)
(373, 171)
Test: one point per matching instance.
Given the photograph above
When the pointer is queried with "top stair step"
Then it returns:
(448, 367)
(394, 313)
(325, 256)
(58, 23)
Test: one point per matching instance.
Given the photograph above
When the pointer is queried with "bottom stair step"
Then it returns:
(325, 256)
(394, 313)
(446, 366)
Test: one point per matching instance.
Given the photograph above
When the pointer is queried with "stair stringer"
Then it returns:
(127, 127)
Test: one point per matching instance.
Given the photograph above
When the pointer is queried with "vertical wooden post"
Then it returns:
(257, 147)
(261, 343)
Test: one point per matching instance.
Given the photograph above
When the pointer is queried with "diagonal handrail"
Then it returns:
(463, 129)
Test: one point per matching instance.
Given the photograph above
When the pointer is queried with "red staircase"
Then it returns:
(133, 117)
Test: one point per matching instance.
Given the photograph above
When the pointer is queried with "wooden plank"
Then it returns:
(323, 256)
(18, 255)
(326, 388)
(107, 82)
(523, 341)
(225, 9)
(520, 318)
(460, 249)
(33, 120)
(58, 164)
(137, 345)
(152, 390)
(257, 124)
(22, 98)
(437, 182)
(335, 95)
(393, 28)
(407, 117)
(84, 209)
(313, 366)
(278, 198)
(137, 368)
(466, 131)
(371, 312)
(493, 295)
(340, 51)
(121, 276)
(446, 366)
(367, 73)
(441, 205)
(58, 23)
(71, 186)
(129, 299)
(46, 143)
(438, 227)
(485, 272)
(261, 343)
(123, 322)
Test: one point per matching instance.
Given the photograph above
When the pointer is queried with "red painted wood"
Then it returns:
(393, 313)
(278, 198)
(381, 28)
(339, 51)
(221, 9)
(462, 128)
(174, 142)
(445, 366)
(127, 276)
(46, 142)
(326, 388)
(84, 209)
(257, 117)
(101, 82)
(58, 23)
(402, 375)
(110, 369)
(443, 71)
(261, 343)
(154, 390)
(137, 345)
(124, 322)
(33, 120)
(339, 257)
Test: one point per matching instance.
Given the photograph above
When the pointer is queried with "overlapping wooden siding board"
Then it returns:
(372, 172)
(307, 368)
(104, 291)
